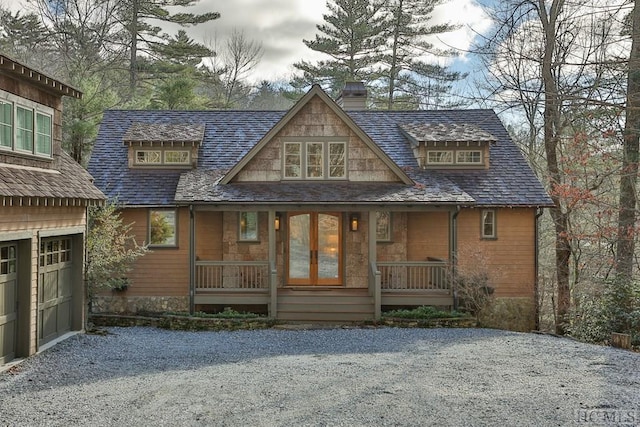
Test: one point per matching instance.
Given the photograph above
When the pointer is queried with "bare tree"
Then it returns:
(553, 61)
(235, 59)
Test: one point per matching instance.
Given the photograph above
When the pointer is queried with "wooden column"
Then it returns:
(273, 275)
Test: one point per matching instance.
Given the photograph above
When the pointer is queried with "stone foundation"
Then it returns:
(124, 304)
(515, 314)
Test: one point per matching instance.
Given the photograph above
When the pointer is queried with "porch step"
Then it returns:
(325, 305)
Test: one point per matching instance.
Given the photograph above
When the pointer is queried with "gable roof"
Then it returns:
(315, 91)
(231, 137)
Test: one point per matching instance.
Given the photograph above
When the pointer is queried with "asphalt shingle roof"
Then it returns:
(446, 132)
(229, 135)
(65, 179)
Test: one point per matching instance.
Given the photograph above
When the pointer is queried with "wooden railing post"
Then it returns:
(377, 296)
(273, 292)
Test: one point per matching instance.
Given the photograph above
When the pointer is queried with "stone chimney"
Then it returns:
(353, 97)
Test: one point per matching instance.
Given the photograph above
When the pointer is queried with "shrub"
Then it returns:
(111, 249)
(423, 312)
(615, 309)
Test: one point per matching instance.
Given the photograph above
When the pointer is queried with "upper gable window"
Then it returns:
(171, 157)
(315, 160)
(25, 126)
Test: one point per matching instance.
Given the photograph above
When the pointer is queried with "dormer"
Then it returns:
(449, 145)
(163, 146)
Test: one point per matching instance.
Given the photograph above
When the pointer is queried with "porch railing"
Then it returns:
(232, 275)
(416, 275)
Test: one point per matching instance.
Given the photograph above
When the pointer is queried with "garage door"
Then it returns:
(8, 301)
(55, 288)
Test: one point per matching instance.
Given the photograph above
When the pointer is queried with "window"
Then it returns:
(248, 226)
(469, 157)
(162, 228)
(292, 160)
(440, 157)
(148, 157)
(8, 261)
(25, 126)
(489, 224)
(337, 162)
(6, 124)
(43, 134)
(55, 251)
(24, 129)
(315, 160)
(383, 226)
(176, 157)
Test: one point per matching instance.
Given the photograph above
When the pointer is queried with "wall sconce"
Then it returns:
(354, 219)
(276, 222)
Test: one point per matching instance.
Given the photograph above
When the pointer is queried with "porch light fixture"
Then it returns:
(354, 219)
(276, 222)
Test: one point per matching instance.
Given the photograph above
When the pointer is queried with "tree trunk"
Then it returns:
(133, 61)
(625, 245)
(552, 125)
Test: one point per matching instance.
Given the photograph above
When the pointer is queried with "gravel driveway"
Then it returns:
(326, 377)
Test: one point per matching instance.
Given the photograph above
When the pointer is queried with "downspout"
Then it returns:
(453, 251)
(192, 263)
(536, 268)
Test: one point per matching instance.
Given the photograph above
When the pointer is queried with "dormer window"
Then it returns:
(440, 157)
(148, 157)
(25, 126)
(163, 145)
(449, 145)
(162, 157)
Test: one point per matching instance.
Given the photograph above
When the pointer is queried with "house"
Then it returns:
(44, 197)
(326, 211)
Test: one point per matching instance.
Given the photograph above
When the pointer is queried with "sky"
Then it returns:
(282, 25)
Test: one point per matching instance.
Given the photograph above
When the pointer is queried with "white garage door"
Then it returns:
(55, 288)
(8, 301)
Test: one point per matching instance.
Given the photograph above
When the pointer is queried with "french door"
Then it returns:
(314, 243)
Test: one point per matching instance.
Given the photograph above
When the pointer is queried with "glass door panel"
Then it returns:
(328, 247)
(314, 249)
(300, 248)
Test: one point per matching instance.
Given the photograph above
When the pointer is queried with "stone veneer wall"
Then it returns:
(357, 254)
(123, 304)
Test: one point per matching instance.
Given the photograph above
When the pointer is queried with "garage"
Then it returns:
(55, 288)
(8, 301)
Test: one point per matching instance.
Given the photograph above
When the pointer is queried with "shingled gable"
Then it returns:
(316, 90)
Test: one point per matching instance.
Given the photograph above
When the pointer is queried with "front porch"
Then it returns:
(260, 274)
(250, 283)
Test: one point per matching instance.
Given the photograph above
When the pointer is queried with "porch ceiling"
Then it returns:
(202, 186)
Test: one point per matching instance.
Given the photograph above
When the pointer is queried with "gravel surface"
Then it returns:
(322, 377)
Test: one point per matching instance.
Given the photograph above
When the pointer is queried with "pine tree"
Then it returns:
(408, 75)
(351, 36)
